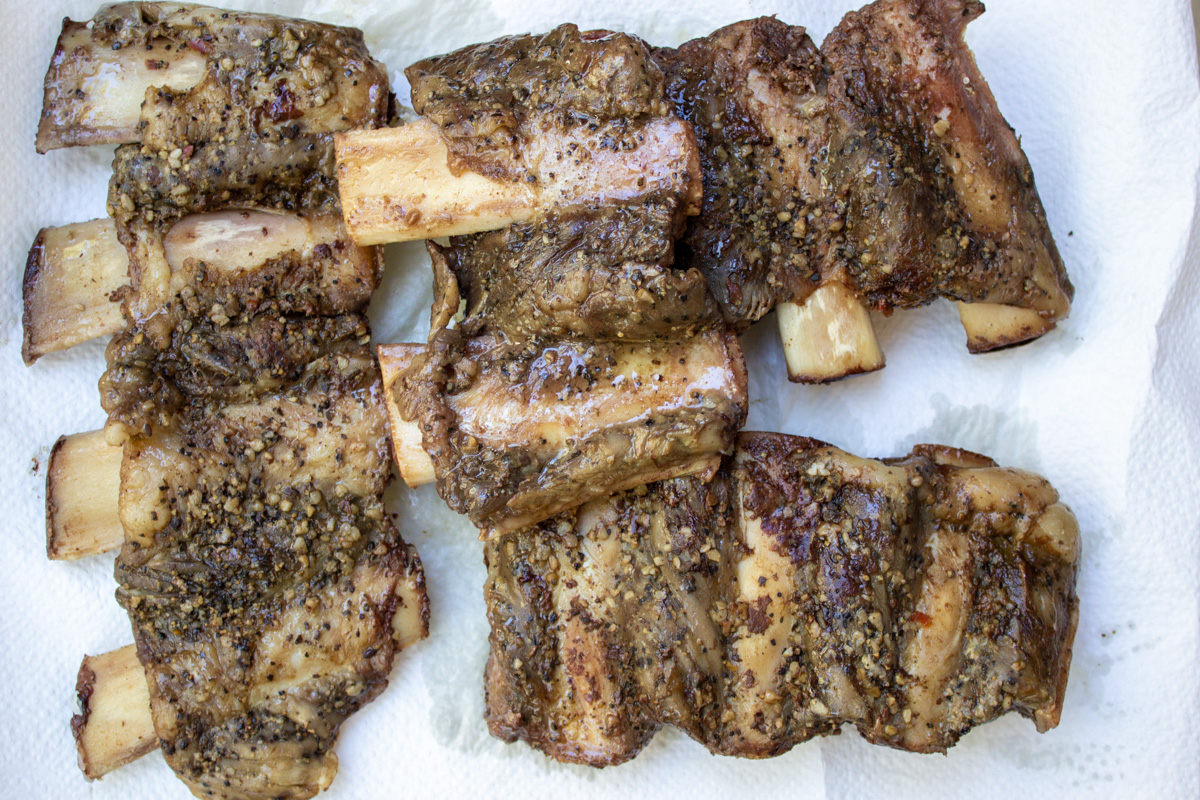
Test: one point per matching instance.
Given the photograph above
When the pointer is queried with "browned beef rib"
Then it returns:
(568, 357)
(879, 163)
(267, 586)
(802, 589)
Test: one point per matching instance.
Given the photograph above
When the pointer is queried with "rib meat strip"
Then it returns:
(267, 586)
(255, 125)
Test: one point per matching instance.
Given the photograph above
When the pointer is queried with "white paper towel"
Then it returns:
(1105, 96)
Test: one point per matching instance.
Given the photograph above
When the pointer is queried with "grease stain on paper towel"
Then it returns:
(455, 686)
(1009, 438)
(1091, 765)
(451, 659)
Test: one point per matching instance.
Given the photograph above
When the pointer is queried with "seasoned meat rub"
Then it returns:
(552, 110)
(880, 162)
(267, 586)
(802, 589)
(568, 356)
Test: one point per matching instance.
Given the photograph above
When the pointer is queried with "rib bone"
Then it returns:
(114, 726)
(82, 482)
(416, 467)
(801, 589)
(70, 278)
(73, 271)
(990, 326)
(94, 94)
(527, 433)
(88, 524)
(82, 490)
(828, 336)
(397, 184)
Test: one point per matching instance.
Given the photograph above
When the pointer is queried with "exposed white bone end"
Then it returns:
(70, 278)
(114, 726)
(82, 484)
(990, 326)
(416, 468)
(828, 336)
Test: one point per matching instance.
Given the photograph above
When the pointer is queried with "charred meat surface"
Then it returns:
(880, 162)
(802, 589)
